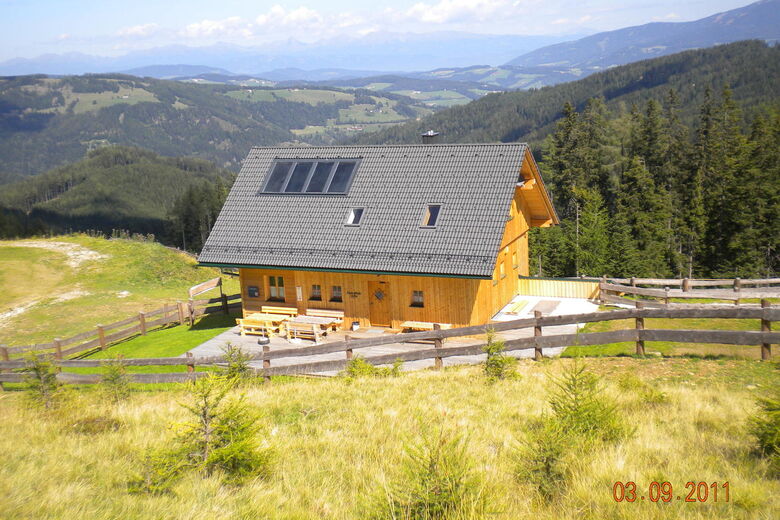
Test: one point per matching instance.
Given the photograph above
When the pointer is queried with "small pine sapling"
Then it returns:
(42, 381)
(498, 365)
(115, 383)
(237, 362)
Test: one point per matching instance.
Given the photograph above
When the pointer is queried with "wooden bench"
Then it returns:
(272, 309)
(338, 316)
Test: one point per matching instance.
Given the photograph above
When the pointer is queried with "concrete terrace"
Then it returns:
(520, 307)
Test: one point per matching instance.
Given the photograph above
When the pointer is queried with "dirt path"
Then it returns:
(76, 253)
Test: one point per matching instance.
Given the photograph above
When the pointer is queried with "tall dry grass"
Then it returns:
(339, 443)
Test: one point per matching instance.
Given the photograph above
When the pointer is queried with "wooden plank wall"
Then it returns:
(558, 288)
(447, 300)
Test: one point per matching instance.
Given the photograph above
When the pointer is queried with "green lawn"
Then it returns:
(166, 342)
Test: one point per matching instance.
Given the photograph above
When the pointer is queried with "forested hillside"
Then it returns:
(119, 188)
(752, 69)
(643, 194)
(48, 122)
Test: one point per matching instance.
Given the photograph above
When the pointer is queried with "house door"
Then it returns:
(379, 304)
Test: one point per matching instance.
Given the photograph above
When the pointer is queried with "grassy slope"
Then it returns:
(338, 443)
(151, 273)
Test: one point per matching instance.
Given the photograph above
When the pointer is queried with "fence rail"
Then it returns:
(639, 334)
(613, 292)
(103, 336)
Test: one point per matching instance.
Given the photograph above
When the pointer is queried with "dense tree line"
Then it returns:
(193, 214)
(640, 193)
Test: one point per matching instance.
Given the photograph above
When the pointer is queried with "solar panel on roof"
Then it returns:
(309, 176)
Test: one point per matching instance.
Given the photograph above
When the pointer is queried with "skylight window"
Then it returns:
(354, 217)
(431, 215)
(310, 176)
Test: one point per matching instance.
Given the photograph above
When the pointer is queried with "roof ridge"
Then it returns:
(415, 145)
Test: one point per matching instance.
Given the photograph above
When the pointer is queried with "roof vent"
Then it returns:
(430, 137)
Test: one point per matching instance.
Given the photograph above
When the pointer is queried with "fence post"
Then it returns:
(4, 357)
(601, 290)
(686, 285)
(640, 325)
(190, 364)
(437, 361)
(180, 307)
(57, 348)
(666, 295)
(101, 334)
(737, 289)
(348, 350)
(142, 321)
(537, 332)
(191, 308)
(766, 326)
(633, 281)
(225, 303)
(266, 362)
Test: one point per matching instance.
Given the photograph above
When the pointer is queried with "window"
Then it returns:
(253, 291)
(316, 293)
(354, 217)
(335, 293)
(417, 299)
(502, 270)
(276, 288)
(431, 215)
(514, 260)
(310, 176)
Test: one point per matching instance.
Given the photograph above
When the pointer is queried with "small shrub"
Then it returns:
(219, 437)
(541, 459)
(633, 385)
(578, 405)
(438, 481)
(765, 427)
(358, 367)
(115, 383)
(237, 366)
(42, 381)
(498, 365)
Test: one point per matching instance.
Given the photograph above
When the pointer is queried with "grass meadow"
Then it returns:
(65, 285)
(340, 443)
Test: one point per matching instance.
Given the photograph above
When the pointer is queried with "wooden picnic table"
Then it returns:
(311, 327)
(325, 323)
(262, 323)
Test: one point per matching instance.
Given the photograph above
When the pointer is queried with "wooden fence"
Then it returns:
(613, 290)
(104, 335)
(639, 334)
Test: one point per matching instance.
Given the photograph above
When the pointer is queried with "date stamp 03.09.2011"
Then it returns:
(664, 492)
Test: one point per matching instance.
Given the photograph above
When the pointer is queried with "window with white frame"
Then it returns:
(276, 288)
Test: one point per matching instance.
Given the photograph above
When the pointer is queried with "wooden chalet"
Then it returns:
(432, 233)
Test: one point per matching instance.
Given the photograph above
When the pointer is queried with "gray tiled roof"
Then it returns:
(474, 183)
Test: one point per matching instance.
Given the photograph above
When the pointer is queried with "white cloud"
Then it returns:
(64, 36)
(138, 31)
(227, 27)
(448, 11)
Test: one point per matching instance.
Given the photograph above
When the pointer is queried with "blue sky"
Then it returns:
(32, 27)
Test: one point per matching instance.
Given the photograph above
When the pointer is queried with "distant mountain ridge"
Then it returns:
(757, 21)
(751, 68)
(380, 52)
